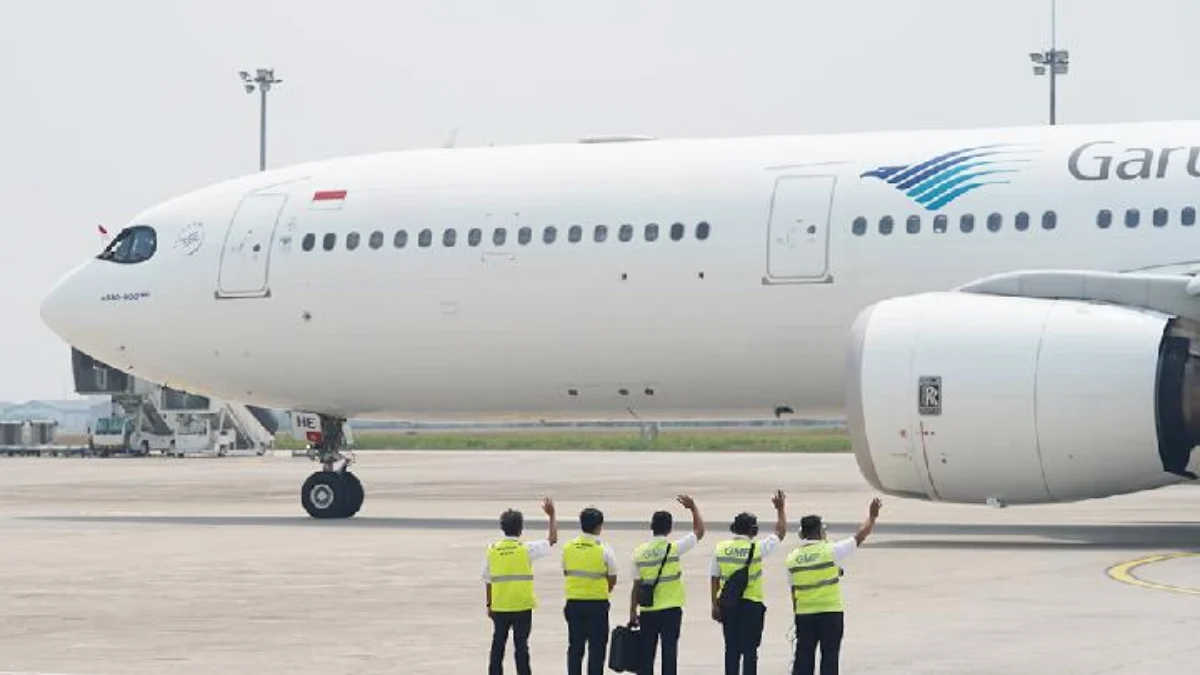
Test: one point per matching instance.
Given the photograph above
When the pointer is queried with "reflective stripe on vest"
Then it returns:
(584, 569)
(731, 556)
(669, 592)
(815, 579)
(510, 570)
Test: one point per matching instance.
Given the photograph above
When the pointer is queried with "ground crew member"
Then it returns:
(815, 578)
(590, 571)
(508, 575)
(662, 620)
(743, 627)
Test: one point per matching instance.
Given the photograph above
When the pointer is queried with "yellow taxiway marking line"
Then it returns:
(1123, 572)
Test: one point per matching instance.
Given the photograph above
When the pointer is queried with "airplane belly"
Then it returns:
(426, 356)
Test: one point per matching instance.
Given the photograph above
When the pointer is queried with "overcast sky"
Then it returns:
(109, 107)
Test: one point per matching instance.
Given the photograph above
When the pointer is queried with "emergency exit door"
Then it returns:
(798, 234)
(246, 256)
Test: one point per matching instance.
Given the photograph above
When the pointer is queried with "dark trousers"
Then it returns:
(824, 629)
(743, 628)
(521, 623)
(587, 626)
(661, 625)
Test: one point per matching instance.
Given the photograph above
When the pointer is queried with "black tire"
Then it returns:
(355, 493)
(326, 494)
(145, 450)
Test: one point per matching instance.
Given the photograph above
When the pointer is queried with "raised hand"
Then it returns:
(779, 499)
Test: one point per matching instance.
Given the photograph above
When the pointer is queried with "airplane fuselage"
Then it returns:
(750, 317)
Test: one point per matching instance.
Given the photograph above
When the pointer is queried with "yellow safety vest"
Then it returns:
(511, 572)
(731, 556)
(816, 581)
(585, 570)
(668, 593)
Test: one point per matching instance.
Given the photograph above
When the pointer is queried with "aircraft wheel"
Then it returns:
(355, 491)
(327, 494)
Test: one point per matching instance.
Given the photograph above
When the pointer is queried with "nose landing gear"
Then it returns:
(332, 492)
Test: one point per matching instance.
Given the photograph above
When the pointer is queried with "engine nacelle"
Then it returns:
(962, 397)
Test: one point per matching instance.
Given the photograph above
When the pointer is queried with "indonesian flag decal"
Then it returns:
(328, 199)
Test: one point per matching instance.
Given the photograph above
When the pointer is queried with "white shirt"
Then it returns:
(682, 546)
(537, 549)
(610, 559)
(767, 545)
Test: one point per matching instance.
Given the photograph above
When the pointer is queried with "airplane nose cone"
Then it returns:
(55, 308)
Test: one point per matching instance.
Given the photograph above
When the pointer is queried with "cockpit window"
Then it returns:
(132, 245)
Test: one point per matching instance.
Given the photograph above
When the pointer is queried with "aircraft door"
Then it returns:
(246, 255)
(798, 234)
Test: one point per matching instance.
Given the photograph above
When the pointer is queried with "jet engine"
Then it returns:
(972, 398)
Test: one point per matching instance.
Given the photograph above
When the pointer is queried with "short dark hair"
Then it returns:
(660, 523)
(810, 527)
(590, 519)
(512, 523)
(745, 524)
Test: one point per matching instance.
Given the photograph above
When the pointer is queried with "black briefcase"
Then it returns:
(623, 649)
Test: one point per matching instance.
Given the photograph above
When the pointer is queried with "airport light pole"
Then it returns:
(1052, 62)
(262, 80)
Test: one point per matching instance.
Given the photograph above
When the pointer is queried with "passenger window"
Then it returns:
(352, 241)
(474, 236)
(860, 226)
(651, 232)
(550, 234)
(449, 237)
(1022, 222)
(1188, 216)
(885, 225)
(939, 223)
(524, 235)
(913, 224)
(994, 222)
(677, 232)
(330, 241)
(967, 223)
(1104, 219)
(425, 239)
(1049, 220)
(626, 233)
(309, 241)
(400, 240)
(499, 236)
(1160, 217)
(575, 234)
(376, 239)
(1132, 217)
(702, 231)
(601, 233)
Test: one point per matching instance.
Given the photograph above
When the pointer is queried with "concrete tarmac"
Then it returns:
(199, 566)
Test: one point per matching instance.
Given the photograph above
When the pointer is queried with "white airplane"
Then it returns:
(1006, 315)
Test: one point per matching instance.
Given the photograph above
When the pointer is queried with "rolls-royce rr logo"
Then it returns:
(929, 395)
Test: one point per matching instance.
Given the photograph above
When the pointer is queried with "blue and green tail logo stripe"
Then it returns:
(940, 180)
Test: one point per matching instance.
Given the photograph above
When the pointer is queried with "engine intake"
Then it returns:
(971, 398)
